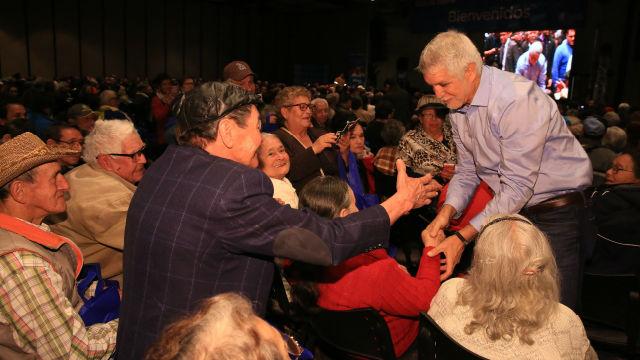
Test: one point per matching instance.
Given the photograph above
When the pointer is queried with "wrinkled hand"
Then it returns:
(429, 240)
(323, 142)
(418, 191)
(452, 248)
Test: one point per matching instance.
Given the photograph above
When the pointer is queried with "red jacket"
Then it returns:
(375, 280)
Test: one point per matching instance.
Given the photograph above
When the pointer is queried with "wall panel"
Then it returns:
(90, 34)
(209, 45)
(175, 31)
(13, 42)
(135, 42)
(41, 45)
(114, 37)
(192, 37)
(156, 40)
(67, 46)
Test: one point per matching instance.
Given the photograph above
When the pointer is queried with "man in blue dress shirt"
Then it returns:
(533, 65)
(511, 135)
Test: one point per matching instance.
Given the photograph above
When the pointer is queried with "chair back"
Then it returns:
(434, 343)
(354, 334)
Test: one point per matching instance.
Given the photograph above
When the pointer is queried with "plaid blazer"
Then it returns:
(200, 225)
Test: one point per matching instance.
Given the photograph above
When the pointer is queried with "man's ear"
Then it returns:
(470, 71)
(344, 212)
(104, 162)
(226, 133)
(51, 142)
(19, 192)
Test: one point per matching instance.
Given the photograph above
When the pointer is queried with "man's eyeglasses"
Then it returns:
(302, 106)
(616, 169)
(135, 156)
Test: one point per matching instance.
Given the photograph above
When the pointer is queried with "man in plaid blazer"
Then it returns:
(203, 220)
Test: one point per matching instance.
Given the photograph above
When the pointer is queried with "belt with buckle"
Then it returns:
(563, 200)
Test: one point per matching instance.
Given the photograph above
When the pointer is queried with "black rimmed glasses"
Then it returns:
(134, 156)
(302, 106)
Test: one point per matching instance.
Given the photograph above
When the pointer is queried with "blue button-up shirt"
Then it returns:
(561, 60)
(513, 137)
(536, 72)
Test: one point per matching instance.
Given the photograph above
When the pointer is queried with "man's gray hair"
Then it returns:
(615, 138)
(319, 100)
(452, 50)
(106, 138)
(535, 47)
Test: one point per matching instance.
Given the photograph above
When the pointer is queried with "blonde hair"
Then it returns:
(452, 50)
(512, 288)
(223, 328)
(287, 94)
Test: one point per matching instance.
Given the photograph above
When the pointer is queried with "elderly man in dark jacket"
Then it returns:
(203, 220)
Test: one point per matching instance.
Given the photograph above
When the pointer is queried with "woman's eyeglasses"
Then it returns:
(302, 106)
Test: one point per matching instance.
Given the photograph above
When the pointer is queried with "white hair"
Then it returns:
(536, 47)
(106, 138)
(452, 50)
(319, 100)
(615, 138)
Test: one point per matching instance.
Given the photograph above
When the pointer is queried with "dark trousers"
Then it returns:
(567, 230)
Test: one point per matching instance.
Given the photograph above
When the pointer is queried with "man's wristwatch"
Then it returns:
(465, 242)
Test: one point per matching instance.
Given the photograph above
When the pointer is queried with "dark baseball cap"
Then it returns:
(236, 70)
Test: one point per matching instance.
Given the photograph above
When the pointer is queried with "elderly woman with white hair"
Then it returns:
(100, 193)
(273, 160)
(508, 306)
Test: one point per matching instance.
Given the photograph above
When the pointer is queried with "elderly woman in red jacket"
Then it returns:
(372, 279)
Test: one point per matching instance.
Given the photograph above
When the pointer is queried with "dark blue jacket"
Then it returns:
(200, 225)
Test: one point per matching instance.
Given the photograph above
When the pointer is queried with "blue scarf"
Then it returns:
(351, 175)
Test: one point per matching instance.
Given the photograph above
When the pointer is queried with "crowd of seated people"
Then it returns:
(113, 128)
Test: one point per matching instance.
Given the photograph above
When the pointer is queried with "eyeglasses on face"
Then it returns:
(616, 169)
(135, 156)
(302, 106)
(73, 142)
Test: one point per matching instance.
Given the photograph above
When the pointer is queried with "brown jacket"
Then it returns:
(96, 214)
